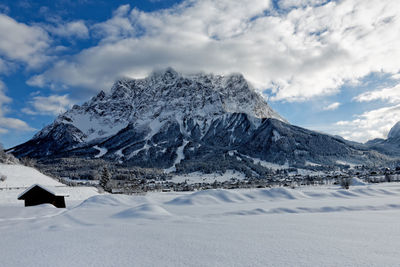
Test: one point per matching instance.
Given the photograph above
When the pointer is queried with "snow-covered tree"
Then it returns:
(345, 182)
(6, 158)
(105, 179)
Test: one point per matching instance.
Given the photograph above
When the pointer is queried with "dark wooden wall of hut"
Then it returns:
(38, 195)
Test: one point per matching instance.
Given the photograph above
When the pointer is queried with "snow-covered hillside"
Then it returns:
(21, 177)
(310, 226)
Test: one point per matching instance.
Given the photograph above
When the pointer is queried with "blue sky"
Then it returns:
(330, 66)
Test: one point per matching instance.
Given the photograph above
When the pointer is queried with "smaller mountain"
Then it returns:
(389, 146)
(394, 133)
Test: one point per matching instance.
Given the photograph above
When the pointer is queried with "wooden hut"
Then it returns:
(38, 194)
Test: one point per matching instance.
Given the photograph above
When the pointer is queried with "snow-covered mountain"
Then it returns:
(391, 145)
(170, 121)
(163, 96)
(395, 131)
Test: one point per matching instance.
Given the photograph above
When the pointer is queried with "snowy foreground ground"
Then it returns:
(310, 226)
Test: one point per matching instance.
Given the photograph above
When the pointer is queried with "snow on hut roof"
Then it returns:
(57, 191)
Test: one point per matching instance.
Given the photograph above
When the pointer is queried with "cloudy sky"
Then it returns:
(331, 66)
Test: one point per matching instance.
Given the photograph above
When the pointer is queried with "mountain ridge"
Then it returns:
(171, 121)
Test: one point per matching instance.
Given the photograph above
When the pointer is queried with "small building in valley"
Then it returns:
(38, 194)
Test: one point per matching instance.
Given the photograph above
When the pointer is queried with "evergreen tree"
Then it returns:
(105, 179)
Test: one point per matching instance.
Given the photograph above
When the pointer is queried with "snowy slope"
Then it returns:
(21, 177)
(310, 226)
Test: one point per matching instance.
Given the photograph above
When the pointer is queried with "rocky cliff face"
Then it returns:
(172, 121)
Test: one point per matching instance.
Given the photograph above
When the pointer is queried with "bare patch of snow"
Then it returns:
(102, 151)
(276, 136)
(180, 156)
(86, 123)
(352, 165)
(309, 163)
(232, 152)
(119, 153)
(271, 165)
(155, 126)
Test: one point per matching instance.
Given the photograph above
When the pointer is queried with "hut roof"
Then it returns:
(53, 190)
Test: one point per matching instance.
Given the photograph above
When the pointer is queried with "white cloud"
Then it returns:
(391, 95)
(4, 66)
(3, 99)
(48, 105)
(77, 29)
(332, 106)
(22, 43)
(375, 123)
(396, 76)
(311, 50)
(13, 123)
(288, 4)
(118, 27)
(369, 125)
(37, 80)
(7, 123)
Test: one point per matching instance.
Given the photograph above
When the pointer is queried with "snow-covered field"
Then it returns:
(310, 226)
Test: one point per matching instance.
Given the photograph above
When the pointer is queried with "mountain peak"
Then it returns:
(165, 95)
(167, 72)
(156, 119)
(168, 90)
(395, 131)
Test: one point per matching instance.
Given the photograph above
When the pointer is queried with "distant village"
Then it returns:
(279, 178)
(136, 180)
